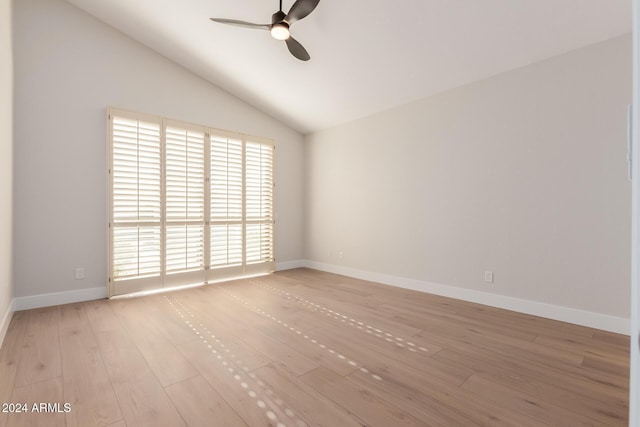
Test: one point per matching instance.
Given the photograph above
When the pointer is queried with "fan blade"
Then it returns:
(297, 49)
(242, 23)
(300, 9)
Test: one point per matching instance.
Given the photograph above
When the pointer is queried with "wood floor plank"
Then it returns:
(176, 332)
(443, 324)
(370, 355)
(373, 410)
(586, 347)
(86, 383)
(443, 396)
(40, 357)
(303, 401)
(537, 389)
(339, 312)
(529, 350)
(201, 406)
(100, 315)
(405, 395)
(519, 360)
(142, 399)
(286, 310)
(303, 345)
(121, 357)
(534, 406)
(9, 357)
(145, 403)
(249, 327)
(12, 344)
(219, 328)
(616, 367)
(366, 344)
(247, 398)
(476, 313)
(604, 395)
(620, 341)
(33, 395)
(166, 362)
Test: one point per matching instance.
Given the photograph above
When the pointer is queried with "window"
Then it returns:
(188, 204)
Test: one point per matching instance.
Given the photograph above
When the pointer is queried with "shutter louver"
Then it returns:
(136, 198)
(226, 245)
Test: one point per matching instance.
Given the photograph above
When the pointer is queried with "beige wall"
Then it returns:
(523, 174)
(69, 68)
(6, 162)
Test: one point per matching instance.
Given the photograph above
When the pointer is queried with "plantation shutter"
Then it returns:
(188, 204)
(136, 207)
(226, 189)
(259, 207)
(185, 205)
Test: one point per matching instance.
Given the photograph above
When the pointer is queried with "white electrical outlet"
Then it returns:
(79, 273)
(488, 276)
(341, 254)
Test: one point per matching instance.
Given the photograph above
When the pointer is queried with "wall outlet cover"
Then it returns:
(488, 276)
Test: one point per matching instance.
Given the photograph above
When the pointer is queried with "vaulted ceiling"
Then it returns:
(366, 55)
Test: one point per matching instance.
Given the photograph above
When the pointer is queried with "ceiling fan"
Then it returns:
(280, 23)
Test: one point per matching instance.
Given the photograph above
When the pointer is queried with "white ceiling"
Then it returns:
(366, 55)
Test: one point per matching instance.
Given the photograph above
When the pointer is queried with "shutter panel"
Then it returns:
(136, 252)
(226, 245)
(226, 178)
(135, 199)
(226, 201)
(136, 170)
(184, 202)
(259, 203)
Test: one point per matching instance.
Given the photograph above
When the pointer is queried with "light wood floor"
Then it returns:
(307, 348)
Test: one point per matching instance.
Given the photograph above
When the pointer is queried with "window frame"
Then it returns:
(208, 274)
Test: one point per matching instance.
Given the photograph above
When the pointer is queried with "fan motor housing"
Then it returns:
(277, 17)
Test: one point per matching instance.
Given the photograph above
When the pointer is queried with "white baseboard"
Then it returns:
(605, 322)
(289, 265)
(565, 314)
(56, 298)
(6, 319)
